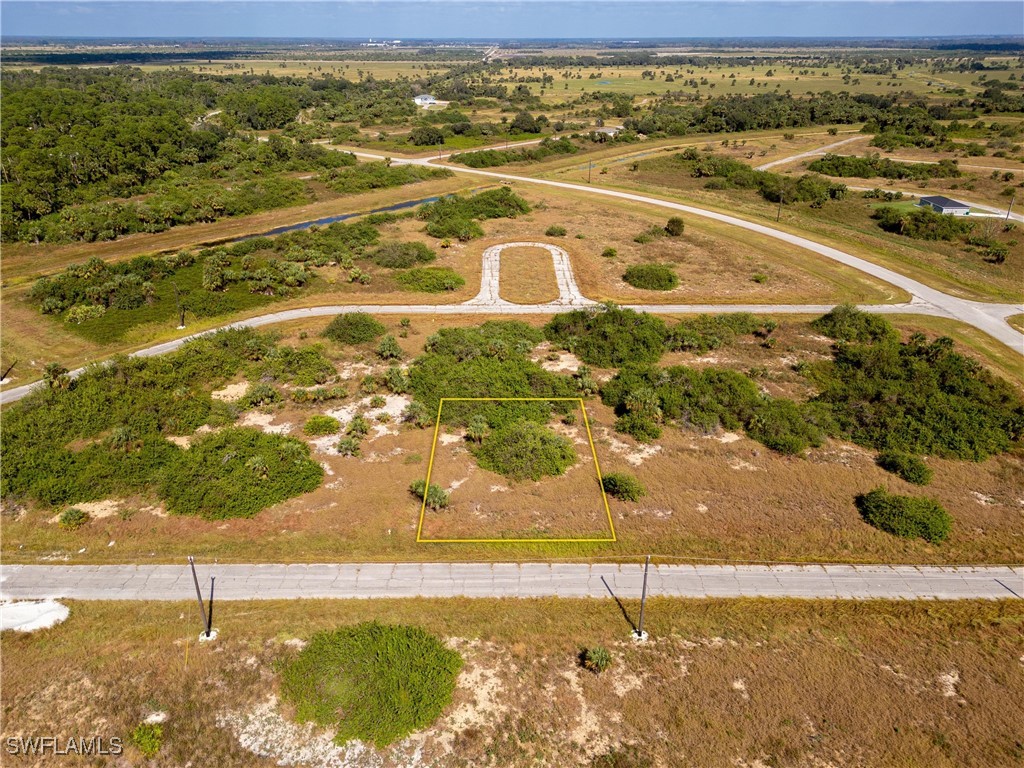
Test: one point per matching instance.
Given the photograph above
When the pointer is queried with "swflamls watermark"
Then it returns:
(59, 745)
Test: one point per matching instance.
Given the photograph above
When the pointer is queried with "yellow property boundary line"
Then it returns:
(593, 452)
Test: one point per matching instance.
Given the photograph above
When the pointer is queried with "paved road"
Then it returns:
(569, 294)
(987, 317)
(808, 153)
(265, 582)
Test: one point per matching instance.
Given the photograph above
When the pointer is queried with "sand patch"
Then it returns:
(633, 456)
(263, 731)
(265, 421)
(231, 392)
(746, 466)
(725, 437)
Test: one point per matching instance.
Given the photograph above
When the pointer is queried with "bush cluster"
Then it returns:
(724, 172)
(910, 468)
(373, 682)
(354, 328)
(402, 255)
(645, 397)
(922, 224)
(918, 397)
(651, 277)
(435, 496)
(457, 217)
(490, 158)
(609, 336)
(320, 424)
(119, 415)
(525, 450)
(908, 517)
(431, 280)
(623, 486)
(874, 166)
(364, 177)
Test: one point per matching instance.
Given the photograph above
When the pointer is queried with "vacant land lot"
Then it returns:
(723, 683)
(721, 496)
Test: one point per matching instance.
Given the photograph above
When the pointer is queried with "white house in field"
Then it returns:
(425, 100)
(945, 205)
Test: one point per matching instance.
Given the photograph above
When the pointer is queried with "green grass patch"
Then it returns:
(373, 682)
(431, 280)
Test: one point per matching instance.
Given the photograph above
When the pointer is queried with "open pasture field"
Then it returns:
(717, 79)
(738, 500)
(723, 683)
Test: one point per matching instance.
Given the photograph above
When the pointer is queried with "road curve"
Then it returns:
(397, 580)
(990, 318)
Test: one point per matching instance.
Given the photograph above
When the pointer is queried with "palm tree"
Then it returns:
(476, 430)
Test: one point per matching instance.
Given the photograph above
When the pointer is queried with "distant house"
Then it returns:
(610, 130)
(424, 100)
(941, 204)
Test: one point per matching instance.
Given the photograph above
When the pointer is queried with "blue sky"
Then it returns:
(617, 19)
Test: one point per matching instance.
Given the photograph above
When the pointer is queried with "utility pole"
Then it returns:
(1012, 198)
(639, 635)
(590, 171)
(778, 215)
(207, 615)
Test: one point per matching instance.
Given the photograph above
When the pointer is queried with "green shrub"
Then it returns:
(909, 467)
(148, 738)
(707, 400)
(525, 450)
(456, 216)
(651, 277)
(72, 519)
(847, 323)
(609, 253)
(920, 398)
(349, 445)
(597, 659)
(609, 336)
(675, 226)
(353, 328)
(321, 424)
(237, 472)
(431, 280)
(905, 516)
(258, 394)
(623, 486)
(706, 332)
(373, 682)
(389, 349)
(555, 231)
(402, 255)
(436, 496)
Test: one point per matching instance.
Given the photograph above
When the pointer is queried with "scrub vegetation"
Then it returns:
(373, 682)
(105, 433)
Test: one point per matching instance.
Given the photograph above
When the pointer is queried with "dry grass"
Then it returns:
(846, 225)
(1017, 321)
(708, 498)
(528, 275)
(723, 683)
(486, 505)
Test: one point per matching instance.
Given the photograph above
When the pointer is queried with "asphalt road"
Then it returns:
(987, 317)
(377, 580)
